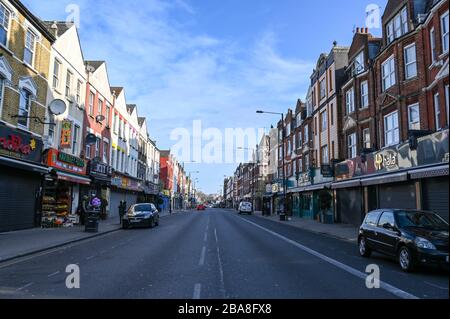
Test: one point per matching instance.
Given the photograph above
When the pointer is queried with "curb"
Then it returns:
(57, 245)
(349, 240)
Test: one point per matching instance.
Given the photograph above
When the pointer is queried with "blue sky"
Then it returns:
(210, 60)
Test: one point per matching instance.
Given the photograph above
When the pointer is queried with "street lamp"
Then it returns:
(282, 145)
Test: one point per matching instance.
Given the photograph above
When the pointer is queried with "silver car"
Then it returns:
(144, 214)
(245, 208)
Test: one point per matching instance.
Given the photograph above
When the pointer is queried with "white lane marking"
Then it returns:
(197, 289)
(53, 274)
(393, 290)
(202, 257)
(26, 286)
(205, 238)
(90, 257)
(435, 286)
(222, 281)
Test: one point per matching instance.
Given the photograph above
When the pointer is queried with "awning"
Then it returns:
(441, 170)
(346, 184)
(17, 163)
(317, 187)
(296, 190)
(73, 178)
(384, 179)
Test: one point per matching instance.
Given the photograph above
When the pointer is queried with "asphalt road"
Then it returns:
(214, 254)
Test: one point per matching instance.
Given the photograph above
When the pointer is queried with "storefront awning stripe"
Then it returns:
(23, 165)
(441, 170)
(346, 184)
(384, 179)
(74, 178)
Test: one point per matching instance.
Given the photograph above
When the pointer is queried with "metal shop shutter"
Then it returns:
(435, 195)
(18, 191)
(350, 206)
(398, 196)
(114, 201)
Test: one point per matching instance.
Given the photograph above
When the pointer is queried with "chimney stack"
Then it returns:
(357, 30)
(54, 27)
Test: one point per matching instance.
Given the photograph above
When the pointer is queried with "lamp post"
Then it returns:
(282, 145)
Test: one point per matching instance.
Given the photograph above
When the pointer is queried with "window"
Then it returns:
(299, 119)
(105, 152)
(97, 147)
(300, 165)
(305, 134)
(115, 123)
(108, 110)
(288, 151)
(398, 26)
(68, 83)
(324, 152)
(437, 111)
(349, 100)
(366, 138)
(332, 149)
(4, 24)
(391, 129)
(323, 91)
(88, 151)
(332, 114)
(364, 94)
(299, 139)
(433, 45)
(330, 80)
(351, 142)
(324, 121)
(444, 32)
(30, 41)
(99, 107)
(388, 73)
(2, 86)
(372, 218)
(76, 131)
(387, 218)
(359, 63)
(24, 107)
(413, 117)
(118, 160)
(56, 70)
(288, 129)
(79, 84)
(51, 128)
(306, 161)
(91, 103)
(113, 158)
(410, 62)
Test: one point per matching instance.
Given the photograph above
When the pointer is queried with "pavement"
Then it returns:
(214, 254)
(339, 231)
(21, 243)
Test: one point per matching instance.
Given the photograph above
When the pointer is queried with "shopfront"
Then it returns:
(100, 174)
(62, 188)
(412, 175)
(21, 174)
(123, 188)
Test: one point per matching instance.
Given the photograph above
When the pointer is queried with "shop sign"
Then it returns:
(14, 143)
(66, 134)
(304, 178)
(99, 169)
(275, 188)
(326, 170)
(66, 162)
(387, 160)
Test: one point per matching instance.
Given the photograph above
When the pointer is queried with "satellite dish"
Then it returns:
(91, 139)
(57, 107)
(100, 118)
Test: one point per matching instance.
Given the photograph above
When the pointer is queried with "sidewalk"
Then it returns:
(341, 231)
(29, 241)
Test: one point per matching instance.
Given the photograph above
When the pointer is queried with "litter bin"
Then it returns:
(92, 222)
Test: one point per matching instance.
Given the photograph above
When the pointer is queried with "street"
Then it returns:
(214, 254)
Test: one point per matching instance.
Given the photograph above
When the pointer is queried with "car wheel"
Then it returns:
(364, 251)
(405, 259)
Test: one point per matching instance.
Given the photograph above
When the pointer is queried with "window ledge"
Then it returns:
(6, 49)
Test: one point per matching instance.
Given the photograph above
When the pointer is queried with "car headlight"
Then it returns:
(424, 243)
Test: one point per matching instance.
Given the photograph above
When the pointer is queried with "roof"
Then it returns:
(35, 21)
(141, 120)
(116, 89)
(131, 108)
(62, 26)
(94, 64)
(164, 153)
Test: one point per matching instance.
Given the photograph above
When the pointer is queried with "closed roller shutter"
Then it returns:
(398, 196)
(18, 191)
(435, 195)
(116, 197)
(350, 207)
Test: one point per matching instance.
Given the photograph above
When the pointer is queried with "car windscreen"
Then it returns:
(143, 208)
(420, 219)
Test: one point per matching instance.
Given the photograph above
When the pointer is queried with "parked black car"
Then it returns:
(141, 215)
(413, 237)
